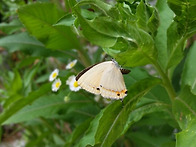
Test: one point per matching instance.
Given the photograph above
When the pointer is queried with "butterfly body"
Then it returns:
(104, 78)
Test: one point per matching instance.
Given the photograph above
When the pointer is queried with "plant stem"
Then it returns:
(166, 82)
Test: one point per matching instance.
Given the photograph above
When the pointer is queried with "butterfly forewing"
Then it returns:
(90, 80)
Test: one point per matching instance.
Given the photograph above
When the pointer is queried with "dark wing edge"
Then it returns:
(85, 70)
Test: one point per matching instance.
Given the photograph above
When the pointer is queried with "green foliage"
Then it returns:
(155, 42)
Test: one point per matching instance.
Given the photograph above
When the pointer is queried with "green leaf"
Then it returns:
(11, 27)
(20, 41)
(189, 73)
(29, 45)
(181, 29)
(183, 7)
(175, 43)
(109, 124)
(18, 105)
(166, 17)
(122, 39)
(147, 18)
(46, 106)
(78, 132)
(148, 139)
(187, 136)
(140, 51)
(39, 18)
(184, 108)
(90, 31)
(67, 20)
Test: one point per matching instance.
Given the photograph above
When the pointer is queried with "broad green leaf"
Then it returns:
(186, 138)
(18, 105)
(39, 18)
(184, 108)
(166, 16)
(189, 72)
(46, 106)
(93, 35)
(20, 41)
(182, 28)
(26, 43)
(109, 124)
(158, 94)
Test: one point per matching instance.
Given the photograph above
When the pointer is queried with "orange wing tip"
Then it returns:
(113, 94)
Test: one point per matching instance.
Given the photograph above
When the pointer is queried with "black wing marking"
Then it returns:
(125, 71)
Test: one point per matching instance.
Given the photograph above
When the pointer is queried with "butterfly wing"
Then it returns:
(89, 78)
(112, 83)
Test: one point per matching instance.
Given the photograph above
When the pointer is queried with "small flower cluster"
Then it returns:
(73, 84)
(57, 82)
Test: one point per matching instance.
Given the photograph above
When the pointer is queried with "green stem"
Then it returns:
(166, 82)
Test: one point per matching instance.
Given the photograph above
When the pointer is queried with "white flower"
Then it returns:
(73, 84)
(71, 64)
(53, 75)
(56, 85)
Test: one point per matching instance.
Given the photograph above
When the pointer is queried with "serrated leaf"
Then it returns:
(183, 27)
(189, 72)
(166, 16)
(109, 124)
(140, 50)
(39, 18)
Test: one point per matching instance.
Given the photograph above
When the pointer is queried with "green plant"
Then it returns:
(160, 107)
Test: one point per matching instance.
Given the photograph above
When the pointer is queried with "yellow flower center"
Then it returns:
(54, 75)
(72, 64)
(58, 84)
(75, 84)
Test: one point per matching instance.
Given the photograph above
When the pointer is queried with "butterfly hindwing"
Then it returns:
(104, 78)
(112, 83)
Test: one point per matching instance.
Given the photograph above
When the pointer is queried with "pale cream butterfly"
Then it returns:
(104, 78)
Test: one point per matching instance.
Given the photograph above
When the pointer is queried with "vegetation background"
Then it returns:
(156, 40)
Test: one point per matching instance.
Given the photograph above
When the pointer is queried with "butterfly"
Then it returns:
(104, 78)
